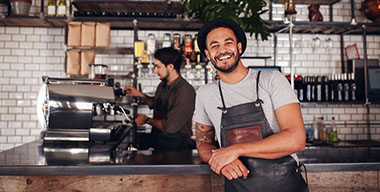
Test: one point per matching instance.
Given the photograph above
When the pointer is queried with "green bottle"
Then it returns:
(334, 132)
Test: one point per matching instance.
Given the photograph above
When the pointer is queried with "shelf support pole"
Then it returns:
(275, 49)
(365, 57)
(353, 20)
(133, 132)
(42, 8)
(291, 25)
(270, 10)
(342, 52)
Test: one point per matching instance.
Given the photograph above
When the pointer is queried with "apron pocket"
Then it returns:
(240, 135)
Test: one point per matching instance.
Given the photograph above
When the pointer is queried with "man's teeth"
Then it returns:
(224, 57)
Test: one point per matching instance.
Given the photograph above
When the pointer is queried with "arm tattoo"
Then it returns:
(204, 133)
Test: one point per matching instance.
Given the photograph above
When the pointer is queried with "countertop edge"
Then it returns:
(25, 170)
(105, 170)
(332, 167)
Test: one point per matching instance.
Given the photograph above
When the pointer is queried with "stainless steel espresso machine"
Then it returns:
(81, 110)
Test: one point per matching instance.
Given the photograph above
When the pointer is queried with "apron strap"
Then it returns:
(257, 84)
(224, 108)
(258, 100)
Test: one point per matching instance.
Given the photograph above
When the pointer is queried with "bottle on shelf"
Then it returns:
(335, 86)
(305, 87)
(352, 84)
(139, 53)
(318, 88)
(167, 40)
(318, 128)
(324, 88)
(333, 136)
(346, 88)
(177, 41)
(331, 88)
(188, 46)
(299, 87)
(197, 51)
(61, 11)
(151, 48)
(328, 88)
(312, 84)
(51, 8)
(327, 130)
(340, 87)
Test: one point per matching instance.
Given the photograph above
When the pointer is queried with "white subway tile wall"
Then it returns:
(28, 53)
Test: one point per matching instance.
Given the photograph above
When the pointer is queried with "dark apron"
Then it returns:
(162, 141)
(247, 122)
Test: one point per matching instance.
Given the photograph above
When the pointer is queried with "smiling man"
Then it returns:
(255, 116)
(172, 104)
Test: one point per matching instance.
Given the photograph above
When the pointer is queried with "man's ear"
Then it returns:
(170, 66)
(207, 54)
(240, 48)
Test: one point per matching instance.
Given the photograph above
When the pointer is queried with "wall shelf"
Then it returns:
(32, 21)
(307, 27)
(146, 23)
(320, 2)
(107, 50)
(129, 6)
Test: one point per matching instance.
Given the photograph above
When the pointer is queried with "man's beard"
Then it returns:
(229, 69)
(164, 78)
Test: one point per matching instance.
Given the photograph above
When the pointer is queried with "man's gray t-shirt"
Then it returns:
(274, 90)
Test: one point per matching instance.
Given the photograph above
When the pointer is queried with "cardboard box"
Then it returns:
(88, 34)
(102, 34)
(74, 34)
(87, 58)
(73, 62)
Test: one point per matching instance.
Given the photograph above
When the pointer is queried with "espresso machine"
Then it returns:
(82, 110)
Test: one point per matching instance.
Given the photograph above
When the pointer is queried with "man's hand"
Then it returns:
(221, 157)
(131, 91)
(235, 170)
(141, 119)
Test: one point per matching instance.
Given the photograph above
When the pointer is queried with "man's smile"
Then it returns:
(224, 57)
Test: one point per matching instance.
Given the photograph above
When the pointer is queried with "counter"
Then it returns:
(74, 160)
(36, 158)
(79, 159)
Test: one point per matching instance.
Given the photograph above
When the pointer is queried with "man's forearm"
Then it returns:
(148, 100)
(204, 141)
(156, 123)
(204, 151)
(272, 147)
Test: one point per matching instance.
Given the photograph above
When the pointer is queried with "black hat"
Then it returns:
(220, 22)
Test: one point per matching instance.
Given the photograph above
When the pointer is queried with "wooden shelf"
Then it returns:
(27, 21)
(307, 27)
(320, 2)
(145, 23)
(129, 6)
(107, 50)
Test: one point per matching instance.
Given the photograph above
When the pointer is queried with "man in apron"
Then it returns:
(173, 105)
(255, 116)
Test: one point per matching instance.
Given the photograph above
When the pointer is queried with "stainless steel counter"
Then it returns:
(36, 158)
